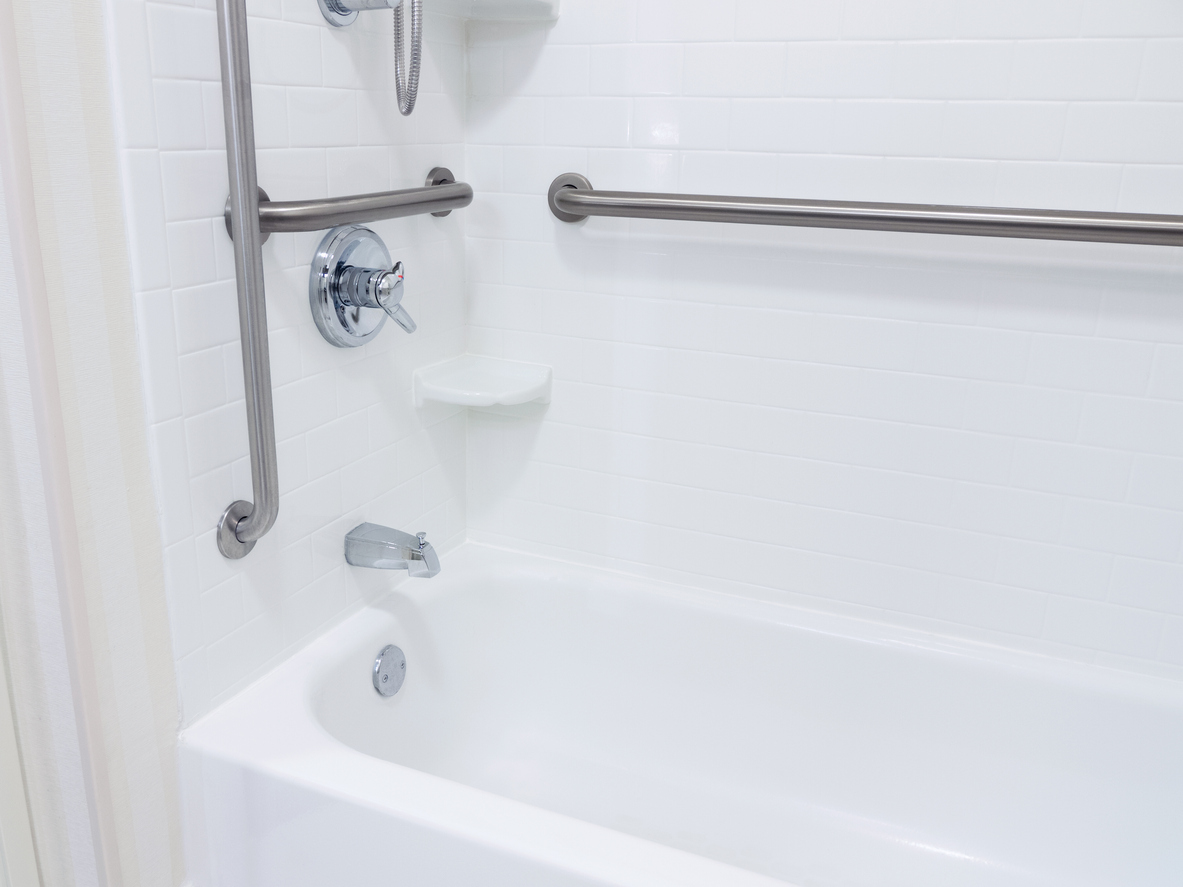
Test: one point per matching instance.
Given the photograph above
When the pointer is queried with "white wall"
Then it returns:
(984, 437)
(351, 445)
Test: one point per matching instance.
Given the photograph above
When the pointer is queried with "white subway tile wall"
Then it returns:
(351, 445)
(982, 437)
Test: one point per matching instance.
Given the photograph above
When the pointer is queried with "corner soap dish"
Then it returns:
(500, 10)
(475, 381)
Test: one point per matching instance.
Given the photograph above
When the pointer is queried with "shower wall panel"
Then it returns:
(981, 437)
(351, 445)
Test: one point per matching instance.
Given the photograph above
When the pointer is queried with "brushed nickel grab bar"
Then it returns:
(439, 197)
(244, 523)
(572, 199)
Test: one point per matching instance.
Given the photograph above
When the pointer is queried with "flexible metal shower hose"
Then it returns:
(406, 80)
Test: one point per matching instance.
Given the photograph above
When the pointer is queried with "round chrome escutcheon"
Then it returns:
(390, 668)
(337, 14)
(345, 326)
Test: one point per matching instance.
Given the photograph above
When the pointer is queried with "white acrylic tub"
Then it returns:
(561, 726)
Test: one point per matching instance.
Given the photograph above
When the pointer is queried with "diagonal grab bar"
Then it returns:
(573, 199)
(244, 523)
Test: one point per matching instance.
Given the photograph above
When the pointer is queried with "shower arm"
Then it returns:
(243, 523)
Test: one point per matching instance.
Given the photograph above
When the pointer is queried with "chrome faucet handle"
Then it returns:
(389, 293)
(376, 288)
(354, 285)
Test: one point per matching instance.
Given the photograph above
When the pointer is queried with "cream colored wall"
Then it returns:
(81, 581)
(18, 858)
(34, 634)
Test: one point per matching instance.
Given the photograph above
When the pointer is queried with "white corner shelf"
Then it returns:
(500, 10)
(475, 381)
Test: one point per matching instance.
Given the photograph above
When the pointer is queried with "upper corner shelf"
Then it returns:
(502, 10)
(475, 381)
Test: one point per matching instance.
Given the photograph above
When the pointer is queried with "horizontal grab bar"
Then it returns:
(329, 212)
(573, 199)
(313, 215)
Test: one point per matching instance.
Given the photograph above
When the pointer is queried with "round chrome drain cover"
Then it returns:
(390, 668)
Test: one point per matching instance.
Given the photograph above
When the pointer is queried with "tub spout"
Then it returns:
(372, 545)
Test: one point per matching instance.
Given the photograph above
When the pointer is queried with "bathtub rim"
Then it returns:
(241, 731)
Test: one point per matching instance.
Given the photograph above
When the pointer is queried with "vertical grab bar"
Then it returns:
(244, 523)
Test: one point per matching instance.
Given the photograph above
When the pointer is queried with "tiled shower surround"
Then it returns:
(983, 437)
(351, 445)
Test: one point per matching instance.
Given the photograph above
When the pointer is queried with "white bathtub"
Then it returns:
(561, 726)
